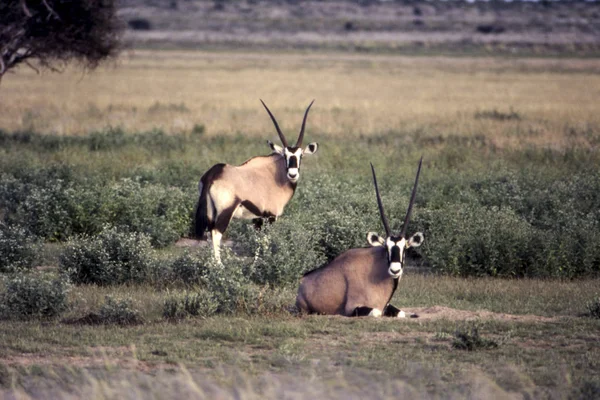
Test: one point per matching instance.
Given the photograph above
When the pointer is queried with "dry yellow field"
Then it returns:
(356, 94)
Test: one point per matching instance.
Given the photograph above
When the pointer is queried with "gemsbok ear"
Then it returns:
(276, 148)
(374, 239)
(415, 241)
(311, 148)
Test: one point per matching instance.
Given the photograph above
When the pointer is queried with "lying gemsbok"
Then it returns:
(259, 188)
(361, 282)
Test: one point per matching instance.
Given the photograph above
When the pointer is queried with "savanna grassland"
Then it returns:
(100, 297)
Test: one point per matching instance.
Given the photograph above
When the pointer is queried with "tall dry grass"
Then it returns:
(356, 94)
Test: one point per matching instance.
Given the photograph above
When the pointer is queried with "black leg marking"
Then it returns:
(361, 311)
(272, 219)
(391, 311)
(258, 223)
(224, 218)
(252, 208)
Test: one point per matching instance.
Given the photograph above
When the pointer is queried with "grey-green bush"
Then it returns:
(191, 268)
(475, 240)
(229, 284)
(27, 296)
(118, 311)
(57, 206)
(593, 307)
(284, 251)
(111, 258)
(18, 249)
(187, 304)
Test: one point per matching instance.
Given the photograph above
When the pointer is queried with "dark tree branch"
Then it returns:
(50, 33)
(25, 9)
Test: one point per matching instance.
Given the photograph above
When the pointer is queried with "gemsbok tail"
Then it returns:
(204, 218)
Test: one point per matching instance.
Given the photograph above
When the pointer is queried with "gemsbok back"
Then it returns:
(259, 188)
(361, 282)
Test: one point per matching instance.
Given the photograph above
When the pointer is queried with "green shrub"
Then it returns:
(471, 240)
(118, 311)
(593, 308)
(190, 304)
(163, 213)
(111, 258)
(33, 296)
(468, 338)
(56, 206)
(190, 268)
(229, 284)
(281, 252)
(18, 249)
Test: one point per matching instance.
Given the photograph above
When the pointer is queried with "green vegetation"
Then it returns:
(509, 212)
(18, 249)
(190, 304)
(94, 278)
(118, 311)
(27, 296)
(110, 258)
(468, 338)
(593, 308)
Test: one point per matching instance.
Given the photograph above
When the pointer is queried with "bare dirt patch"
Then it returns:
(441, 312)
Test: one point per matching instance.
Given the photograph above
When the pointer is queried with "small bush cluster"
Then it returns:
(468, 338)
(29, 296)
(109, 139)
(593, 308)
(111, 258)
(230, 284)
(55, 205)
(190, 304)
(119, 312)
(18, 249)
(474, 240)
(190, 268)
(498, 115)
(281, 252)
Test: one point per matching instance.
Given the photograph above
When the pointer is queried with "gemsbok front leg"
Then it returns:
(394, 312)
(366, 312)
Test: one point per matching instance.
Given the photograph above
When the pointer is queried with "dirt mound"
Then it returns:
(441, 312)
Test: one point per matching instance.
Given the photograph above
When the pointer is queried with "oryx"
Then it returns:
(361, 282)
(259, 188)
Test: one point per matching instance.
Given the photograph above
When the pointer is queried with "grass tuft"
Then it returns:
(593, 308)
(468, 338)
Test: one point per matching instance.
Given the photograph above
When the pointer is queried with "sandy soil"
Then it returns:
(441, 312)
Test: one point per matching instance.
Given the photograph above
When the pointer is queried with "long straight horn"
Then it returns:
(412, 200)
(380, 204)
(301, 135)
(283, 141)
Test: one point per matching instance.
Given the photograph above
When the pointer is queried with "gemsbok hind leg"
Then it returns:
(221, 224)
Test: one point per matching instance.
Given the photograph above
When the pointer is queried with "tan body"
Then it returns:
(259, 188)
(356, 278)
(260, 181)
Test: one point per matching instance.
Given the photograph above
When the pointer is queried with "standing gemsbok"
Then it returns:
(361, 282)
(259, 188)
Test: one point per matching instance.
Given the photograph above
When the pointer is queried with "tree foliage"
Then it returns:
(53, 32)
